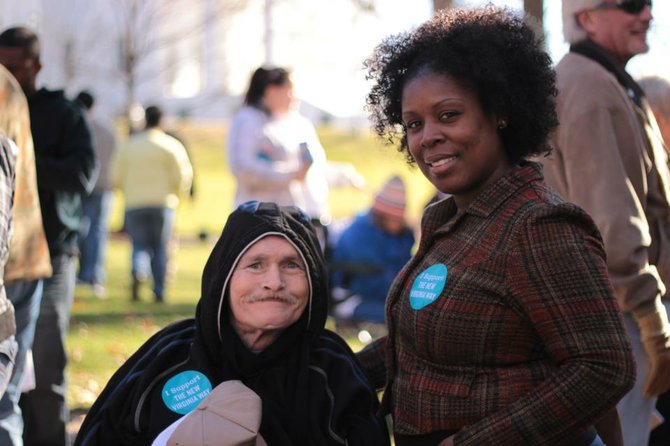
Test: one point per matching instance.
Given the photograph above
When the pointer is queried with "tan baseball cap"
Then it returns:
(229, 416)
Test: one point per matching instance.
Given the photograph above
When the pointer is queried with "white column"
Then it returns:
(268, 32)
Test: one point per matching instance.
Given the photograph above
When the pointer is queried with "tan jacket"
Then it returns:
(612, 164)
(28, 252)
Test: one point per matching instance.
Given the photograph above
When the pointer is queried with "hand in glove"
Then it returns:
(655, 333)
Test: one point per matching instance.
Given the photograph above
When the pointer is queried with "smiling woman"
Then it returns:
(456, 145)
(520, 340)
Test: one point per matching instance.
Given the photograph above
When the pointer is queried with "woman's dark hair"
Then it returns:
(260, 80)
(490, 50)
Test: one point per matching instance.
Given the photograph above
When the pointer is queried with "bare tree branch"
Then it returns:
(150, 26)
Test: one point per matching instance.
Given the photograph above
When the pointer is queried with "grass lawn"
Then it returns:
(105, 332)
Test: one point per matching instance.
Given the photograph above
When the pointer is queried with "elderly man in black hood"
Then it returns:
(260, 320)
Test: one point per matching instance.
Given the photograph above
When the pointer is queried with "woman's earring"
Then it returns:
(502, 124)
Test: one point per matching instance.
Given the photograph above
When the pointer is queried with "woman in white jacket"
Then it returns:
(271, 147)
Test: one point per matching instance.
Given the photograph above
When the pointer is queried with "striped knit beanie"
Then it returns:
(391, 200)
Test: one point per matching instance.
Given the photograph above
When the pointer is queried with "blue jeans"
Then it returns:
(149, 230)
(93, 234)
(45, 412)
(26, 296)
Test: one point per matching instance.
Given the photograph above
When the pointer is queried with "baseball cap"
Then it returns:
(229, 416)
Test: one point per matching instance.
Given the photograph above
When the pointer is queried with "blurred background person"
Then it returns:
(270, 147)
(369, 254)
(153, 171)
(606, 126)
(94, 229)
(66, 172)
(275, 154)
(28, 263)
(657, 92)
(170, 130)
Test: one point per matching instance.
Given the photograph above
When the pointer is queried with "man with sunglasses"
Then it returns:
(609, 161)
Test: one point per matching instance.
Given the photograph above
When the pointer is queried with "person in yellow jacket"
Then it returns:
(152, 169)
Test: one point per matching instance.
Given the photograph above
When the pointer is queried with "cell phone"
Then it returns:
(305, 154)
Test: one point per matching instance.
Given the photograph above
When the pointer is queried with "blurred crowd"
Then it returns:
(529, 307)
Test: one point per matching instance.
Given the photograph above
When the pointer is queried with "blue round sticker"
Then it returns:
(183, 392)
(427, 286)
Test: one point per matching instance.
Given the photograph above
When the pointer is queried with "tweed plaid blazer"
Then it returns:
(503, 325)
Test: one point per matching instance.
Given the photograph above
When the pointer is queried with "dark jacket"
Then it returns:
(313, 390)
(66, 166)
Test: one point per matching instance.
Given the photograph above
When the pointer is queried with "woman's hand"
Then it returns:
(449, 441)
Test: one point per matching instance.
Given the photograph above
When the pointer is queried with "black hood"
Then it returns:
(246, 225)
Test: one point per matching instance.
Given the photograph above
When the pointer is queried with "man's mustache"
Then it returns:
(288, 299)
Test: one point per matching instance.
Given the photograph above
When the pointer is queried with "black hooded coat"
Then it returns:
(313, 389)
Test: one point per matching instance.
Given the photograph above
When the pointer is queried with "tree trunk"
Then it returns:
(269, 37)
(535, 8)
(441, 4)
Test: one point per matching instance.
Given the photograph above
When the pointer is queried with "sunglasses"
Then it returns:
(628, 6)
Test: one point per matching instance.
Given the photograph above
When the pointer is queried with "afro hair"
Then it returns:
(494, 52)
